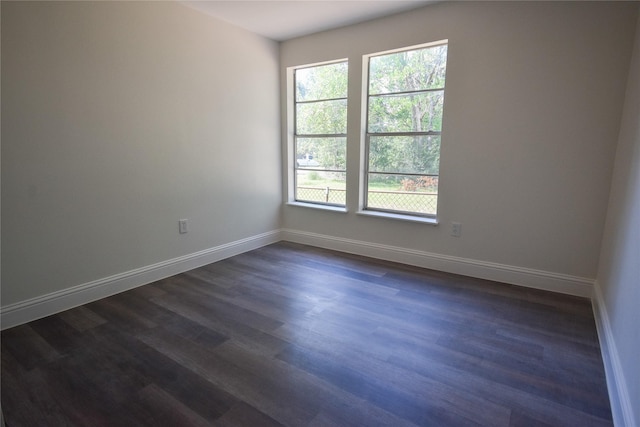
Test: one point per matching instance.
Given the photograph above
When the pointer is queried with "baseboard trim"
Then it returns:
(527, 277)
(55, 302)
(621, 407)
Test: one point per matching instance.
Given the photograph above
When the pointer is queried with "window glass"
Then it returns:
(321, 117)
(405, 108)
(418, 69)
(320, 134)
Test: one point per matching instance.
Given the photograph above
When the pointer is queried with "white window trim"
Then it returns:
(401, 217)
(321, 206)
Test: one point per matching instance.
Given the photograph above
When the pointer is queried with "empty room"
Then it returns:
(320, 213)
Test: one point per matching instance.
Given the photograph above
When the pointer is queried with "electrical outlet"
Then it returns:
(456, 229)
(183, 226)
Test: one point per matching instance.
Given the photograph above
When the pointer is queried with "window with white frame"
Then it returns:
(320, 134)
(405, 101)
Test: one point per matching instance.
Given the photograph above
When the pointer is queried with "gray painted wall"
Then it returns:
(118, 119)
(532, 109)
(619, 273)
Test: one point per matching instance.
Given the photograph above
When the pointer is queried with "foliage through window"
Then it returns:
(321, 133)
(404, 122)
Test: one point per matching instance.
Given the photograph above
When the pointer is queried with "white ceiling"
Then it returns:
(283, 20)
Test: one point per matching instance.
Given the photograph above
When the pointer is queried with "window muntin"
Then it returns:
(320, 143)
(405, 104)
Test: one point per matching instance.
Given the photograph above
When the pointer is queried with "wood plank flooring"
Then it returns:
(300, 336)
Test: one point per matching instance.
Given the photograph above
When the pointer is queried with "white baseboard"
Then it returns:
(527, 277)
(55, 302)
(621, 408)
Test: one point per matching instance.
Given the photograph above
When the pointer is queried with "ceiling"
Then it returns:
(282, 20)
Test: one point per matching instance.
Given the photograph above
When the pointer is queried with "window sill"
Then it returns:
(400, 217)
(340, 209)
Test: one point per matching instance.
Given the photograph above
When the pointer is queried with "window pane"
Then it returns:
(321, 187)
(418, 112)
(406, 71)
(322, 82)
(321, 153)
(405, 154)
(324, 117)
(406, 98)
(403, 193)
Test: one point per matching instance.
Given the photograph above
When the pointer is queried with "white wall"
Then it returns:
(618, 296)
(119, 118)
(532, 107)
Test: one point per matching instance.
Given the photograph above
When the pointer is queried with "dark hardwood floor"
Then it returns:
(300, 336)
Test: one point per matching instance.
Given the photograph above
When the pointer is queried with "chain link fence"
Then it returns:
(405, 201)
(333, 196)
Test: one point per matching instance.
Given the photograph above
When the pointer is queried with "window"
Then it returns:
(320, 135)
(405, 100)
